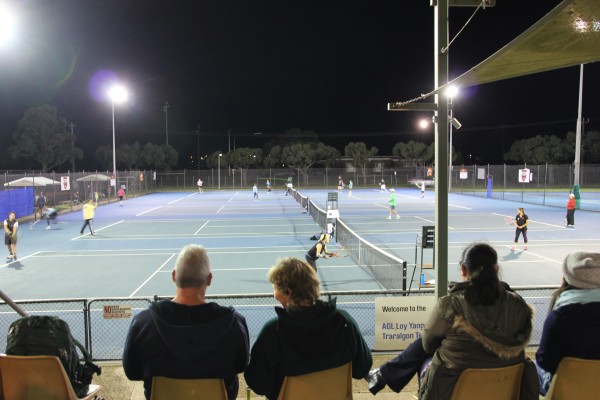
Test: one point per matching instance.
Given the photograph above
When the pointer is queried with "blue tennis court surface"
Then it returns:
(137, 244)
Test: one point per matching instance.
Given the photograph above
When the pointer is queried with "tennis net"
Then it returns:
(385, 268)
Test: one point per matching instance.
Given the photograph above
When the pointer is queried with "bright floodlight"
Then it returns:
(452, 91)
(424, 123)
(117, 94)
(7, 25)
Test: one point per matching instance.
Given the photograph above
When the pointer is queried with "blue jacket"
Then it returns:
(180, 341)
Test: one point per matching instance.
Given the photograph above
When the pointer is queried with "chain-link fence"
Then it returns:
(105, 336)
(545, 184)
(68, 190)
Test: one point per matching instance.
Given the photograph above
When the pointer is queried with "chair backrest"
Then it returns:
(575, 378)
(329, 384)
(489, 383)
(34, 378)
(187, 389)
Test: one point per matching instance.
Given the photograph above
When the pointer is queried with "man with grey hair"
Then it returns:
(186, 337)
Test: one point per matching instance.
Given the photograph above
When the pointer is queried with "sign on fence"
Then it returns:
(114, 312)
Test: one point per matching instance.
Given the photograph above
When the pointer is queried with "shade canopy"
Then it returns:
(31, 181)
(94, 178)
(568, 35)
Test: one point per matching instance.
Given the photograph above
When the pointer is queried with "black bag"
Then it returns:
(51, 336)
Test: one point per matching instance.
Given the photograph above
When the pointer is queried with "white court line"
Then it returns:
(152, 209)
(104, 227)
(19, 259)
(537, 222)
(464, 208)
(380, 205)
(151, 276)
(219, 210)
(181, 198)
(424, 219)
(195, 233)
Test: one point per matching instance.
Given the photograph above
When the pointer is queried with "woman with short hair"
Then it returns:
(307, 335)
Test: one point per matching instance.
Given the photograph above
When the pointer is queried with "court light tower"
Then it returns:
(116, 94)
(219, 169)
(166, 110)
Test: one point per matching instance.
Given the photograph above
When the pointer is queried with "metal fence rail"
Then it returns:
(105, 338)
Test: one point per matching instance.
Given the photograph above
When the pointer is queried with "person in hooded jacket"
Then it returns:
(481, 323)
(186, 337)
(308, 334)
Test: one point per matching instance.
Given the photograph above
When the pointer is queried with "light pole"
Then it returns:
(166, 110)
(219, 169)
(117, 94)
(450, 93)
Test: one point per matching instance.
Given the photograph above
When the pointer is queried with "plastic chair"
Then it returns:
(187, 389)
(37, 377)
(329, 384)
(489, 383)
(575, 378)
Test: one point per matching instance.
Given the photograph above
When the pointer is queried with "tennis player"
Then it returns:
(521, 222)
(11, 226)
(317, 251)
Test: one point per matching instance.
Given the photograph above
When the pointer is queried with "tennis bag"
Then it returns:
(51, 336)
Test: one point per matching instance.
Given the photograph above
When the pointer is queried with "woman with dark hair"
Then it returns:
(572, 326)
(481, 323)
(308, 334)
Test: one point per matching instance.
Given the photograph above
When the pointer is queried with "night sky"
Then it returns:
(270, 65)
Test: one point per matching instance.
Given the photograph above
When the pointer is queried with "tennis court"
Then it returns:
(137, 244)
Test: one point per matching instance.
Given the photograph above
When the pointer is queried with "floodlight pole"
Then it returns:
(441, 149)
(166, 110)
(112, 102)
(578, 129)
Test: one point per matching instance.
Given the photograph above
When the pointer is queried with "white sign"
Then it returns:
(464, 174)
(524, 175)
(114, 312)
(113, 182)
(400, 320)
(333, 214)
(480, 173)
(65, 183)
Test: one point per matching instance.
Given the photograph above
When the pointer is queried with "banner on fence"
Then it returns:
(65, 183)
(524, 175)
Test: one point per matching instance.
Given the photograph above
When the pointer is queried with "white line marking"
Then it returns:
(104, 227)
(151, 276)
(152, 209)
(219, 210)
(195, 233)
(380, 205)
(424, 219)
(19, 259)
(454, 205)
(531, 220)
(181, 198)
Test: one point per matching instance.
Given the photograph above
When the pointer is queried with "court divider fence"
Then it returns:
(104, 333)
(388, 270)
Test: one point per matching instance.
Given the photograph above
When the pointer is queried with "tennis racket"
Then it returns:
(509, 220)
(341, 253)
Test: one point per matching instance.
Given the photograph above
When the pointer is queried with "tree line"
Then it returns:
(43, 141)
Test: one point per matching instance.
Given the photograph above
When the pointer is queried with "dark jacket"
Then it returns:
(465, 336)
(570, 331)
(304, 340)
(179, 341)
